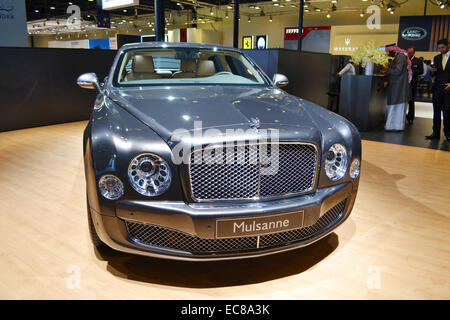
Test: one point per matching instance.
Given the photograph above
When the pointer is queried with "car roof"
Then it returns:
(151, 45)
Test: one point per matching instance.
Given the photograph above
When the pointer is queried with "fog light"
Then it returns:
(336, 162)
(355, 169)
(110, 187)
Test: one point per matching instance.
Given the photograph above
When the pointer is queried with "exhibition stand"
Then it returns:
(39, 84)
(363, 100)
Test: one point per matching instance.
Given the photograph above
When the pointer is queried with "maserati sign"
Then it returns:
(414, 33)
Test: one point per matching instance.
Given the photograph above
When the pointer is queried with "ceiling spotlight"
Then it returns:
(52, 8)
(361, 14)
(317, 9)
(229, 7)
(328, 15)
(249, 20)
(226, 15)
(276, 4)
(211, 12)
(270, 19)
(392, 11)
(334, 1)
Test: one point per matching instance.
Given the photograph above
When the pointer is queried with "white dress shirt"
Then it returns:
(348, 69)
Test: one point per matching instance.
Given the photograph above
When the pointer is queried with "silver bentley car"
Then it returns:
(193, 153)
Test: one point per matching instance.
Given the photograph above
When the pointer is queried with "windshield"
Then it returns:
(186, 66)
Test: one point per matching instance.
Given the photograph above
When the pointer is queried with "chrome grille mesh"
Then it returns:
(156, 236)
(236, 177)
(324, 222)
(245, 172)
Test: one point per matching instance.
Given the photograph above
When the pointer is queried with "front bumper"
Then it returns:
(187, 231)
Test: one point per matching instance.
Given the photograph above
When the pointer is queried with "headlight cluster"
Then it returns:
(336, 163)
(149, 174)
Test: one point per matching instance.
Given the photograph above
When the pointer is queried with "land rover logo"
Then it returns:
(414, 33)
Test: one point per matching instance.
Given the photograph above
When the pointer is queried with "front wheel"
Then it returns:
(99, 244)
(102, 248)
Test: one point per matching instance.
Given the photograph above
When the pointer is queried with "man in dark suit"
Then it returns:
(441, 69)
(417, 70)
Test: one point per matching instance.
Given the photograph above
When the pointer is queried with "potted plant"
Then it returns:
(368, 56)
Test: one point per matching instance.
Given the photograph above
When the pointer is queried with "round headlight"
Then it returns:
(110, 187)
(149, 174)
(355, 168)
(336, 162)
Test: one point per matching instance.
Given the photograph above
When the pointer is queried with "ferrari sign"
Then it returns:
(247, 42)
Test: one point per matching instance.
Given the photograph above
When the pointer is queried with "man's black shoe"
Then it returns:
(410, 121)
(433, 137)
(448, 138)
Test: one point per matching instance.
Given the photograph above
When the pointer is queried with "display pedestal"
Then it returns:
(363, 100)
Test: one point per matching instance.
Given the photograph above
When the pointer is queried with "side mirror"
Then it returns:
(89, 81)
(280, 80)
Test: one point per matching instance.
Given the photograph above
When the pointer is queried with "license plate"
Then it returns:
(256, 226)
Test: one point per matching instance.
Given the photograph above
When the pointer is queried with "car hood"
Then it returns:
(171, 108)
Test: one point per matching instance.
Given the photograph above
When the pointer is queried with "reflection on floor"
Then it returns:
(395, 245)
(424, 110)
(414, 135)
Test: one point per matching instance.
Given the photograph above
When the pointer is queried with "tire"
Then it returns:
(102, 248)
(99, 244)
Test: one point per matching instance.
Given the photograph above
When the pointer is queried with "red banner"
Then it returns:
(183, 35)
(291, 33)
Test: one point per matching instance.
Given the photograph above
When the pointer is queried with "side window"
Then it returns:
(129, 65)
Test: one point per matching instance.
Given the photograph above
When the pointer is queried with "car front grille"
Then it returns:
(165, 238)
(243, 172)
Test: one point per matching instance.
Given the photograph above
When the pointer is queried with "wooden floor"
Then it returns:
(395, 245)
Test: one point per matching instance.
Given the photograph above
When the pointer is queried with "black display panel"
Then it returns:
(38, 85)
